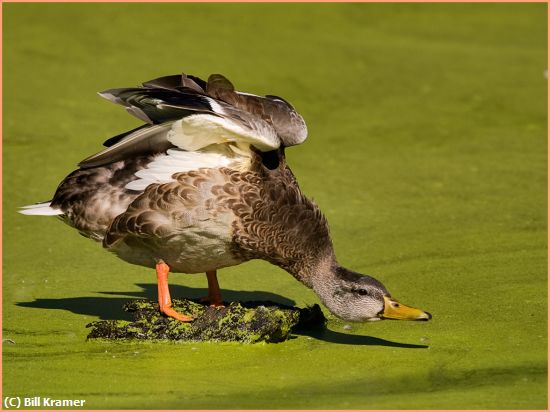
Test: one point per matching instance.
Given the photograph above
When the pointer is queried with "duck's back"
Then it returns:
(90, 199)
(205, 177)
(215, 217)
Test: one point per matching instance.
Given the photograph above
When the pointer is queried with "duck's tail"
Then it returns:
(40, 209)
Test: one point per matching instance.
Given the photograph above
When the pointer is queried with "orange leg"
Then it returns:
(165, 303)
(214, 292)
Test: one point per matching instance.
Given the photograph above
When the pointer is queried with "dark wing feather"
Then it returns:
(218, 82)
(143, 140)
(158, 105)
(198, 80)
(115, 139)
(165, 82)
(288, 123)
(176, 82)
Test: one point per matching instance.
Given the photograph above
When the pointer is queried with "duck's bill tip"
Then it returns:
(425, 316)
(397, 311)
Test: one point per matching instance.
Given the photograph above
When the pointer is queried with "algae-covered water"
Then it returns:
(427, 151)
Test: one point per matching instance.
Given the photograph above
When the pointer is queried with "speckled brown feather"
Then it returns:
(269, 216)
(91, 198)
(163, 209)
(275, 221)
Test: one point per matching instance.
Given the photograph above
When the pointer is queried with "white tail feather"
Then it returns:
(40, 209)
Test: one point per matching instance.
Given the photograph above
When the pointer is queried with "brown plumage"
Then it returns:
(91, 198)
(205, 185)
(275, 221)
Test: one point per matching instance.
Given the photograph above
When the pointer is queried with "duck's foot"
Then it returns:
(168, 311)
(214, 302)
(165, 302)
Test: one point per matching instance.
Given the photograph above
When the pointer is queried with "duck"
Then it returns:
(204, 184)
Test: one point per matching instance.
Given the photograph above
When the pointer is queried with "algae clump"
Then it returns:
(249, 322)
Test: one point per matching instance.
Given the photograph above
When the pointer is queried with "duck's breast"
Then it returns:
(188, 223)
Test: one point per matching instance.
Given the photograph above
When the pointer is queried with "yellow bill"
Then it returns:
(395, 310)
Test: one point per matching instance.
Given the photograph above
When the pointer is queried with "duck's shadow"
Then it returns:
(111, 308)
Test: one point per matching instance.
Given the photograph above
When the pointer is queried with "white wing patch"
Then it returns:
(164, 166)
(200, 130)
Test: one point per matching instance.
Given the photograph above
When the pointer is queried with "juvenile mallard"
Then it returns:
(203, 185)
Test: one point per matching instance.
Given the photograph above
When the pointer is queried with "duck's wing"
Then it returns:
(189, 113)
(158, 105)
(180, 113)
(288, 124)
(286, 121)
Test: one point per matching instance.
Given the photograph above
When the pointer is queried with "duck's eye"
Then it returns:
(362, 292)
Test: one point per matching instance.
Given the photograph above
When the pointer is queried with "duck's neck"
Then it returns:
(318, 272)
(328, 279)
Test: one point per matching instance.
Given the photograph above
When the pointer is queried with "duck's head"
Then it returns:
(358, 298)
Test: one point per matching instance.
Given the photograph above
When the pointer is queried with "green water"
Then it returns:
(427, 151)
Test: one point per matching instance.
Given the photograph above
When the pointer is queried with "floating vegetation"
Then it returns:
(249, 322)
